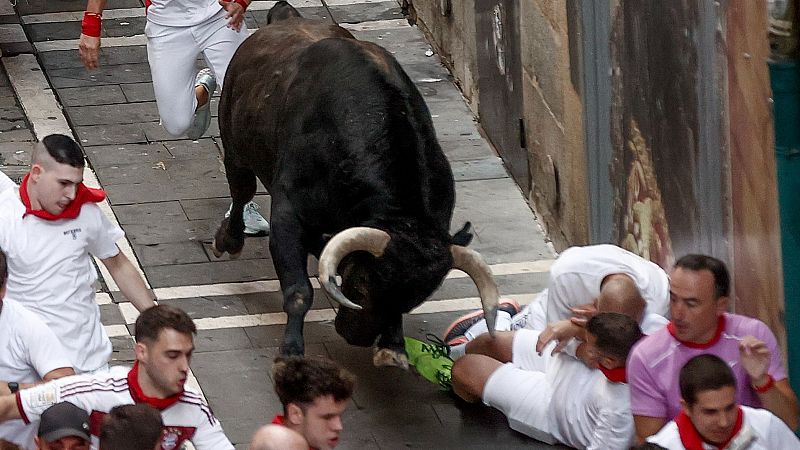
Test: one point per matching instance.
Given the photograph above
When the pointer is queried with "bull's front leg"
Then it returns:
(391, 350)
(230, 235)
(289, 256)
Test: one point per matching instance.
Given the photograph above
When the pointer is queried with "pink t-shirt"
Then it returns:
(656, 361)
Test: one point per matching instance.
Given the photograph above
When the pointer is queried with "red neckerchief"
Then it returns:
(616, 375)
(139, 397)
(714, 340)
(692, 440)
(82, 195)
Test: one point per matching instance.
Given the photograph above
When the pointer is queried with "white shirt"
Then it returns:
(50, 271)
(5, 182)
(586, 409)
(760, 427)
(577, 273)
(181, 13)
(30, 351)
(189, 418)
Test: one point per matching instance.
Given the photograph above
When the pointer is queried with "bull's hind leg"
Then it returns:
(230, 235)
(391, 349)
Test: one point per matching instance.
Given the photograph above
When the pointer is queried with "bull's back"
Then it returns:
(256, 83)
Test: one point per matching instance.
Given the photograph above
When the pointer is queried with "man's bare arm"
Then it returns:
(647, 426)
(8, 408)
(781, 401)
(89, 46)
(129, 281)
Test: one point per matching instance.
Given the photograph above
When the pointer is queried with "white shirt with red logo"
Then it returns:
(51, 272)
(30, 350)
(188, 419)
(761, 430)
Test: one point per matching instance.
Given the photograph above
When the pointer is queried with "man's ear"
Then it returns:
(36, 171)
(140, 350)
(722, 304)
(294, 414)
(685, 407)
(609, 362)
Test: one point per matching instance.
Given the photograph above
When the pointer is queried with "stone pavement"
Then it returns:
(169, 195)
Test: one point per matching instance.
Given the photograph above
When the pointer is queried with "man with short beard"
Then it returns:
(164, 345)
(314, 393)
(50, 227)
(711, 417)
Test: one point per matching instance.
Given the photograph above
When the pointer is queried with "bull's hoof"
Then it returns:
(292, 349)
(236, 255)
(218, 253)
(384, 357)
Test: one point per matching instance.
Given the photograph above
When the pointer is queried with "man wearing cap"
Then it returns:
(63, 426)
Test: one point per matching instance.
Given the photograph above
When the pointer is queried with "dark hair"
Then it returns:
(152, 320)
(722, 281)
(616, 333)
(281, 11)
(131, 427)
(64, 150)
(301, 380)
(704, 373)
(3, 269)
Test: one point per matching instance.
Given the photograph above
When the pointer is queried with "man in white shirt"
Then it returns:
(556, 398)
(5, 182)
(177, 33)
(164, 346)
(50, 227)
(711, 417)
(580, 279)
(30, 353)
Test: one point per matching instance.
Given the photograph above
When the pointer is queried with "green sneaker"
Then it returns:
(431, 360)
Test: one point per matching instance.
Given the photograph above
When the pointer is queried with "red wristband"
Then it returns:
(766, 387)
(242, 3)
(91, 24)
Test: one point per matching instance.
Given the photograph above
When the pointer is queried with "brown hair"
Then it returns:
(131, 427)
(301, 380)
(152, 320)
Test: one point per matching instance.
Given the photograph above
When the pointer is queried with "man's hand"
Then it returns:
(582, 313)
(561, 331)
(89, 49)
(235, 14)
(754, 355)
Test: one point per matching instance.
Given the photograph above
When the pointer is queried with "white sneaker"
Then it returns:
(202, 117)
(254, 223)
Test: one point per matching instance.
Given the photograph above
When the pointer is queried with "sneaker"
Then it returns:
(430, 360)
(454, 334)
(254, 223)
(202, 116)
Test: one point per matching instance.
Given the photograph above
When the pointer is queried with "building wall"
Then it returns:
(552, 110)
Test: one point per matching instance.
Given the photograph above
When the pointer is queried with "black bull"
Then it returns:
(344, 143)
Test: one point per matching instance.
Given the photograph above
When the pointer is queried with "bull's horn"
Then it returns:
(473, 264)
(343, 243)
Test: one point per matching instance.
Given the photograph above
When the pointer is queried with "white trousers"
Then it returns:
(172, 52)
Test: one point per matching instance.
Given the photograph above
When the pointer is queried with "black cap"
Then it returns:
(62, 420)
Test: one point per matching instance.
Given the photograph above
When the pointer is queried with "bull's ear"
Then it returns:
(463, 236)
(326, 237)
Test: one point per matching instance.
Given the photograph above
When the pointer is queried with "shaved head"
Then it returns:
(57, 148)
(619, 294)
(277, 437)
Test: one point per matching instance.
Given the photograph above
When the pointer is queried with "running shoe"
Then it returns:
(202, 116)
(430, 360)
(454, 334)
(254, 223)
